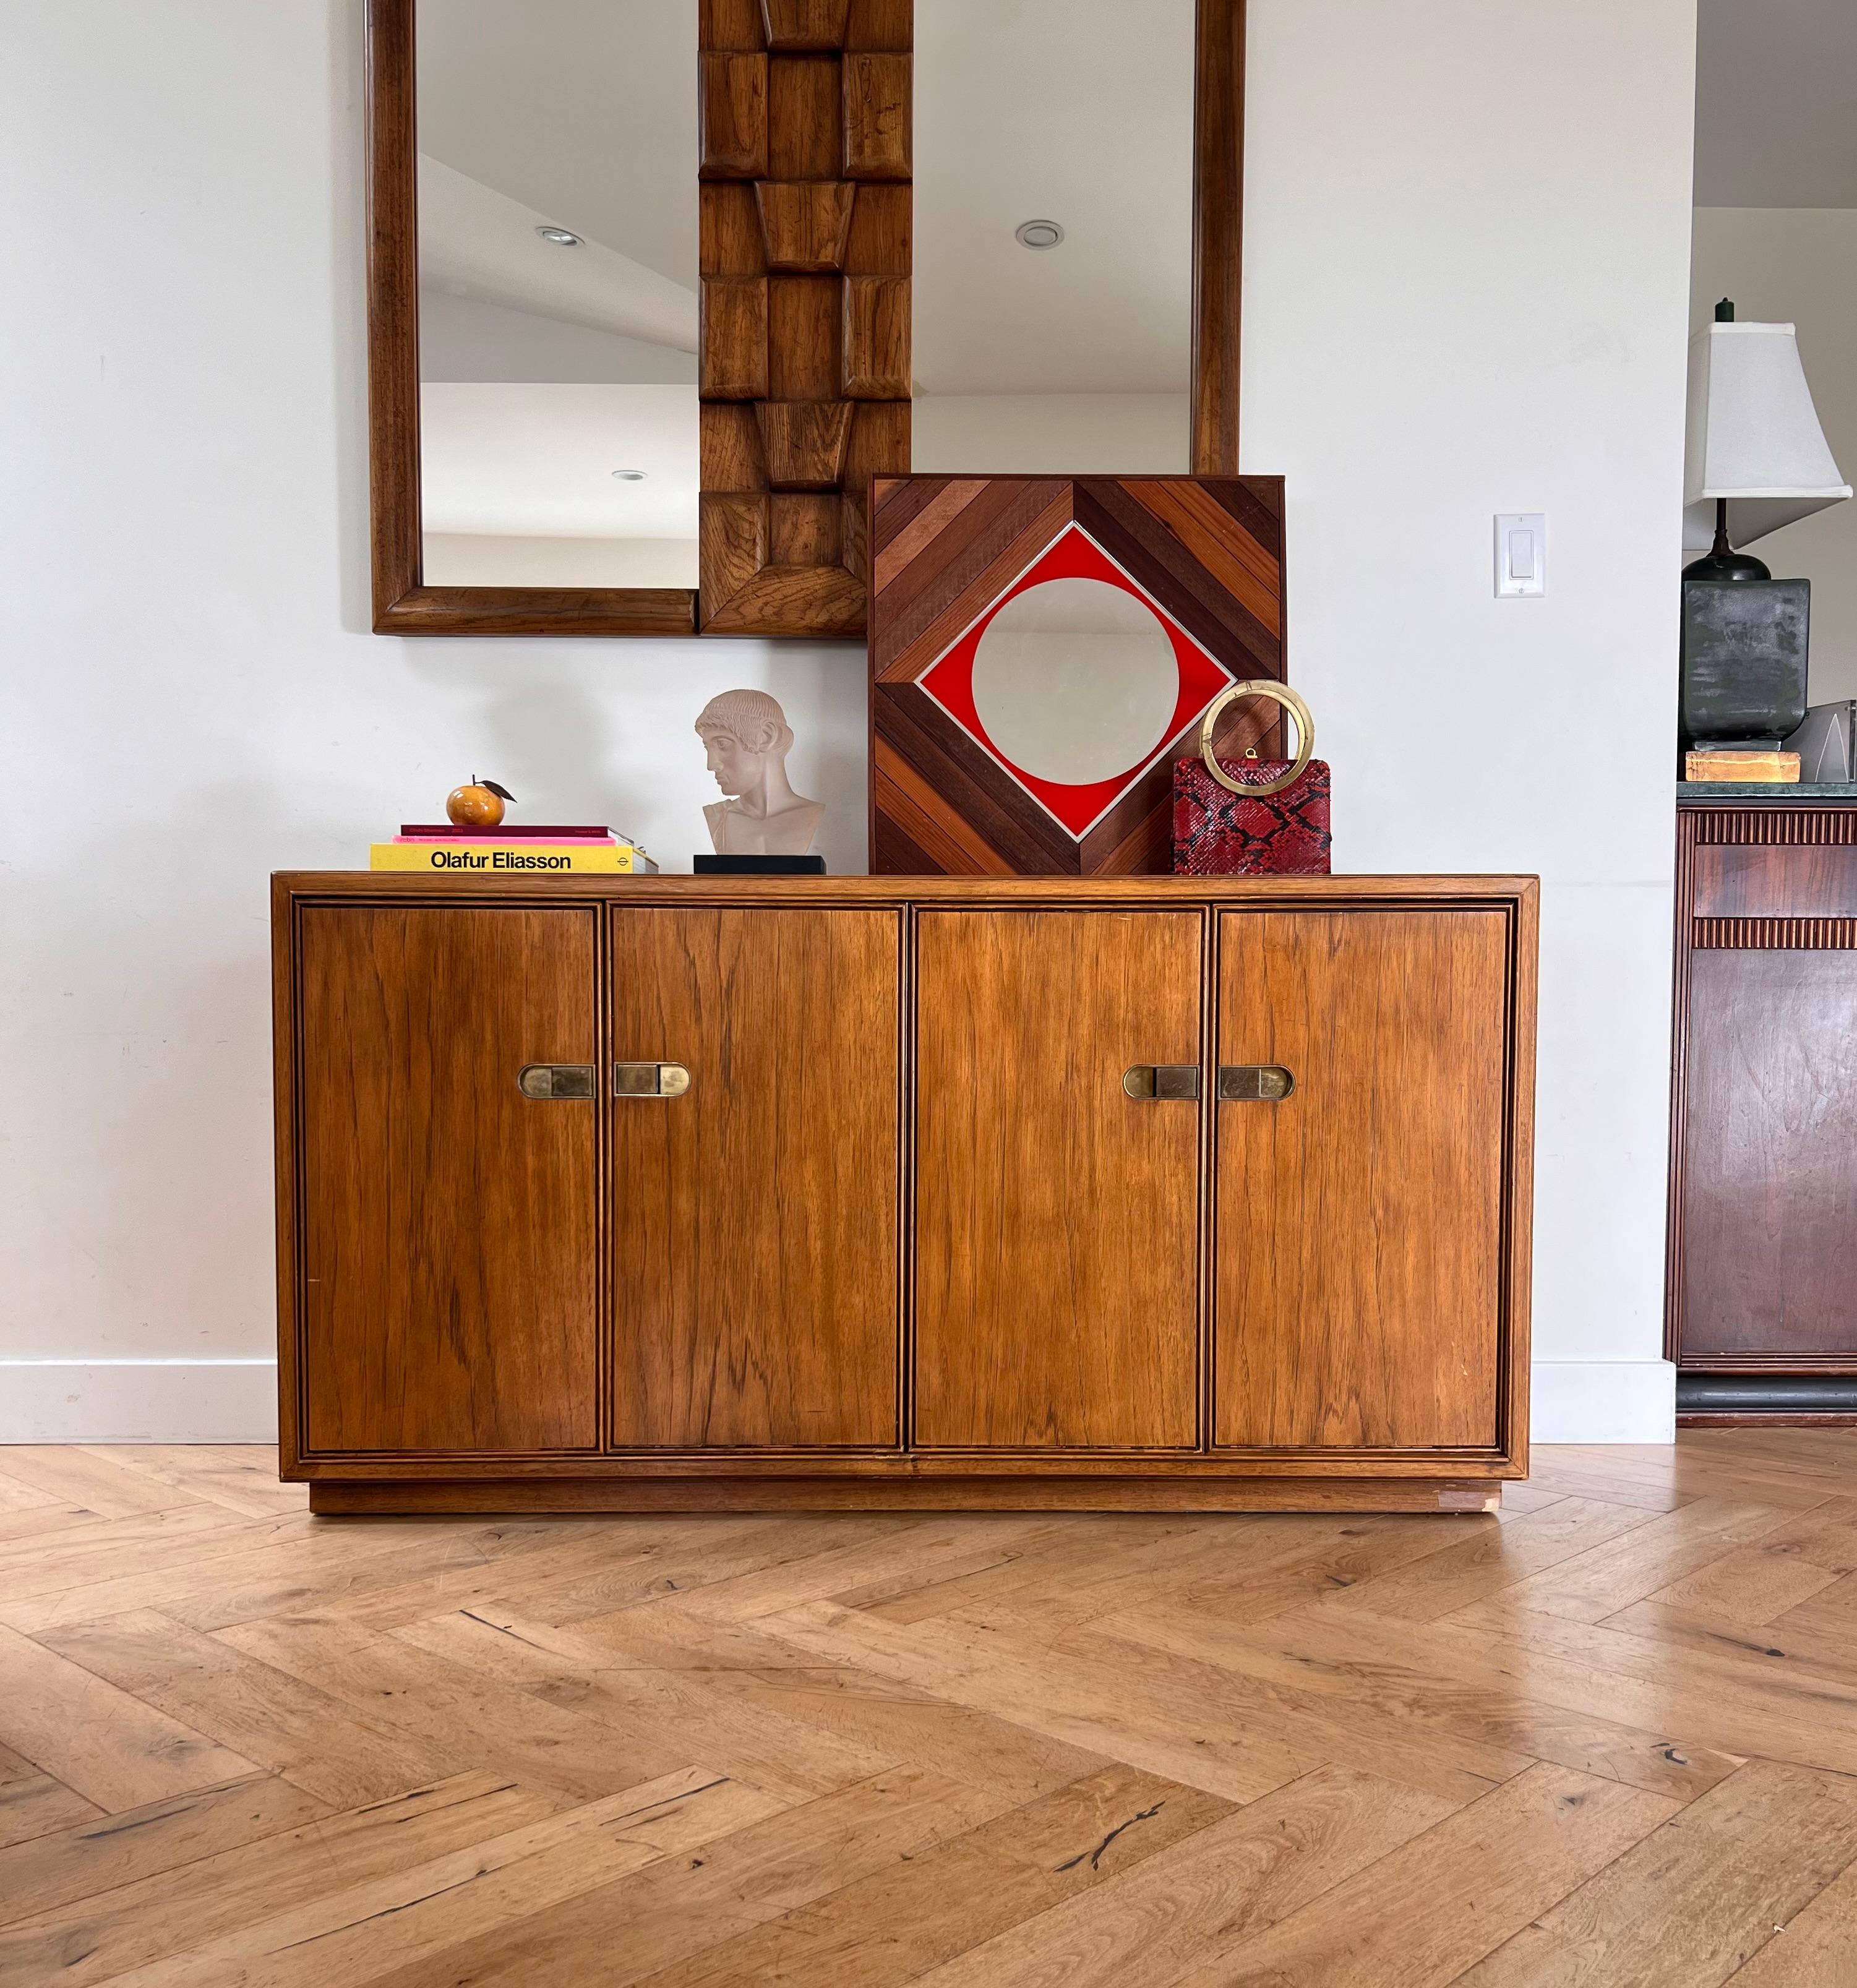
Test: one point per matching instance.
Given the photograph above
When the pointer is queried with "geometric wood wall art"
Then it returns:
(1042, 650)
(805, 258)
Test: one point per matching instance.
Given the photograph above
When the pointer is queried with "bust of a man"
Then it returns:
(748, 738)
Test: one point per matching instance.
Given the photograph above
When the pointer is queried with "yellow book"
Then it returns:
(513, 858)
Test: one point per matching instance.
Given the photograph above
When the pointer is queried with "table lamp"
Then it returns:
(1756, 460)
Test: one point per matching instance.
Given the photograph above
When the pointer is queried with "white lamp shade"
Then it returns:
(1754, 437)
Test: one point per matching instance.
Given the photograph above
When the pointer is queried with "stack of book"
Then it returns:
(439, 849)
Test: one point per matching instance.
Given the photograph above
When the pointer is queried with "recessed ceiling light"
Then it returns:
(1039, 234)
(562, 238)
(630, 475)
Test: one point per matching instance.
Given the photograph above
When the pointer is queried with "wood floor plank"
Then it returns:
(1362, 1665)
(18, 1496)
(358, 1934)
(259, 1567)
(1143, 1927)
(107, 1744)
(34, 1522)
(913, 1553)
(1419, 1917)
(204, 1905)
(1320, 1557)
(144, 1543)
(1748, 1587)
(1813, 1949)
(457, 1712)
(627, 1561)
(1186, 1721)
(892, 1926)
(1060, 1562)
(279, 1721)
(33, 1803)
(240, 1476)
(1739, 1705)
(75, 1477)
(1496, 1557)
(102, 1854)
(1604, 1579)
(904, 1722)
(662, 1915)
(557, 1672)
(1687, 1906)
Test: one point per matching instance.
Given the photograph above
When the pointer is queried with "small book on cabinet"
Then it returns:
(499, 856)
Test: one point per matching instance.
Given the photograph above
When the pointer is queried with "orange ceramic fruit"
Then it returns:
(474, 806)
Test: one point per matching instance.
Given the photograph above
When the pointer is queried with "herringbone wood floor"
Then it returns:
(1610, 1738)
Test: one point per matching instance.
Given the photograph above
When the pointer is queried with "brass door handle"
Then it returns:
(1254, 1083)
(1160, 1083)
(650, 1080)
(548, 1082)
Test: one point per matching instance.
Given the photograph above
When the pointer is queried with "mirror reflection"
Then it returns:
(557, 221)
(1075, 680)
(1053, 236)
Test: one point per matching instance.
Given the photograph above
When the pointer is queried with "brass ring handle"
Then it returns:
(1293, 704)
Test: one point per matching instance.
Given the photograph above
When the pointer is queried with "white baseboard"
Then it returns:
(1604, 1400)
(138, 1401)
(235, 1400)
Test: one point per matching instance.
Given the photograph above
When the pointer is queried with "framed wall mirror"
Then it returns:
(656, 287)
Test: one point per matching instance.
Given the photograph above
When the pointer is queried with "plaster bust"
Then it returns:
(748, 739)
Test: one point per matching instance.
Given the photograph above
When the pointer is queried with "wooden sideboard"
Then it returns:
(679, 1193)
(1763, 1244)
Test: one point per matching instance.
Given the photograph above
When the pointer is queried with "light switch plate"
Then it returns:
(1521, 552)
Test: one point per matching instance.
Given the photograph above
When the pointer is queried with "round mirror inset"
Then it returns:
(1075, 681)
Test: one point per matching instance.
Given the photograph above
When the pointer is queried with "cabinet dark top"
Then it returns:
(1841, 793)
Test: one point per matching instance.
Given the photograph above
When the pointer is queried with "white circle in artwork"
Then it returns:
(1075, 681)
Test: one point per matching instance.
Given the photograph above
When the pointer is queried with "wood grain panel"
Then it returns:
(1208, 550)
(877, 120)
(1219, 93)
(754, 1219)
(732, 120)
(1360, 1221)
(825, 367)
(449, 1259)
(1057, 1218)
(805, 223)
(1769, 1248)
(1757, 882)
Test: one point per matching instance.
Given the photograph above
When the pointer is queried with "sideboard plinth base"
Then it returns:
(939, 1494)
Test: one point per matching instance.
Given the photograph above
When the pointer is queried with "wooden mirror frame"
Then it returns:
(783, 551)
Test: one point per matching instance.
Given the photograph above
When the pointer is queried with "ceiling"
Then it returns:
(582, 110)
(1776, 103)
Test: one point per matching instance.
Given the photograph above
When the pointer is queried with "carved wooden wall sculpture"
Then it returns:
(805, 358)
(1204, 555)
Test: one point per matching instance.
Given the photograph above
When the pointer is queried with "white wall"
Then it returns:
(1798, 265)
(191, 699)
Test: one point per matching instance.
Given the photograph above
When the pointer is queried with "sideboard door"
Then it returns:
(448, 1258)
(1057, 1216)
(1359, 1219)
(755, 1291)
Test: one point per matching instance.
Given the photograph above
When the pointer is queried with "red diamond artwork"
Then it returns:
(1074, 680)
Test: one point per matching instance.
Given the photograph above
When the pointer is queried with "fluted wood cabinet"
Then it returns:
(674, 1193)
